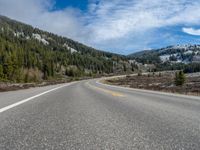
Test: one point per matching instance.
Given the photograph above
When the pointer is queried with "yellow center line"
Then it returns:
(113, 93)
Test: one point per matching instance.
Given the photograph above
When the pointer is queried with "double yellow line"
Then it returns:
(113, 93)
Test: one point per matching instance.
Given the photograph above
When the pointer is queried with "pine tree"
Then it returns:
(1, 72)
(179, 78)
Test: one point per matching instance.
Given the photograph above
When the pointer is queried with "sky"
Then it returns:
(120, 26)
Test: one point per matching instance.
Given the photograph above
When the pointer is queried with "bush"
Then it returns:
(179, 78)
(139, 74)
(73, 72)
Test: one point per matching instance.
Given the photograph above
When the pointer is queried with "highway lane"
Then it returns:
(89, 115)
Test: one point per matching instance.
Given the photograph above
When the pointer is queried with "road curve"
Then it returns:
(88, 115)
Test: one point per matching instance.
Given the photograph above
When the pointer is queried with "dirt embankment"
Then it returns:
(7, 86)
(160, 82)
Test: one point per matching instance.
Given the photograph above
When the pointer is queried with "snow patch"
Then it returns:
(188, 52)
(181, 46)
(72, 50)
(18, 34)
(39, 38)
(165, 58)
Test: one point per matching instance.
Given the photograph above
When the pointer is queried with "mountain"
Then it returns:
(173, 54)
(28, 54)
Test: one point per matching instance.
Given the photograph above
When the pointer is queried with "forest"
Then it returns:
(28, 54)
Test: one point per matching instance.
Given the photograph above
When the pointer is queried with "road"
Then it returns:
(89, 115)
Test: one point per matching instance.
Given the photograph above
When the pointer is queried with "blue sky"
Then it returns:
(80, 4)
(120, 26)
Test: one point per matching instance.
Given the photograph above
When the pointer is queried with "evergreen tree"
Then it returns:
(1, 72)
(179, 78)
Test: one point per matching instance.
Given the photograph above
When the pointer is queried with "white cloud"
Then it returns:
(38, 13)
(119, 18)
(105, 22)
(192, 31)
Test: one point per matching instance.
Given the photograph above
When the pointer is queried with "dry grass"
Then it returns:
(164, 83)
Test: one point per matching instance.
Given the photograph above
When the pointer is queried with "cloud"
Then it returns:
(140, 21)
(115, 25)
(39, 13)
(192, 31)
(119, 18)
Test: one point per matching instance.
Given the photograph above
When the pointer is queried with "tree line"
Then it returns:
(25, 59)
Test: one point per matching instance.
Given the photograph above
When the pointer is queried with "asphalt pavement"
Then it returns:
(88, 115)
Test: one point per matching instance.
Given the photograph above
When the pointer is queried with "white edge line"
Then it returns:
(147, 91)
(33, 97)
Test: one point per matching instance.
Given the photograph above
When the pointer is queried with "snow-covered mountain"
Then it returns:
(180, 53)
(174, 54)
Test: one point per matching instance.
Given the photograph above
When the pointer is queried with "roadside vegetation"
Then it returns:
(179, 78)
(171, 81)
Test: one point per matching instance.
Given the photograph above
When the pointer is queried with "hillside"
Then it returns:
(176, 54)
(185, 57)
(29, 54)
